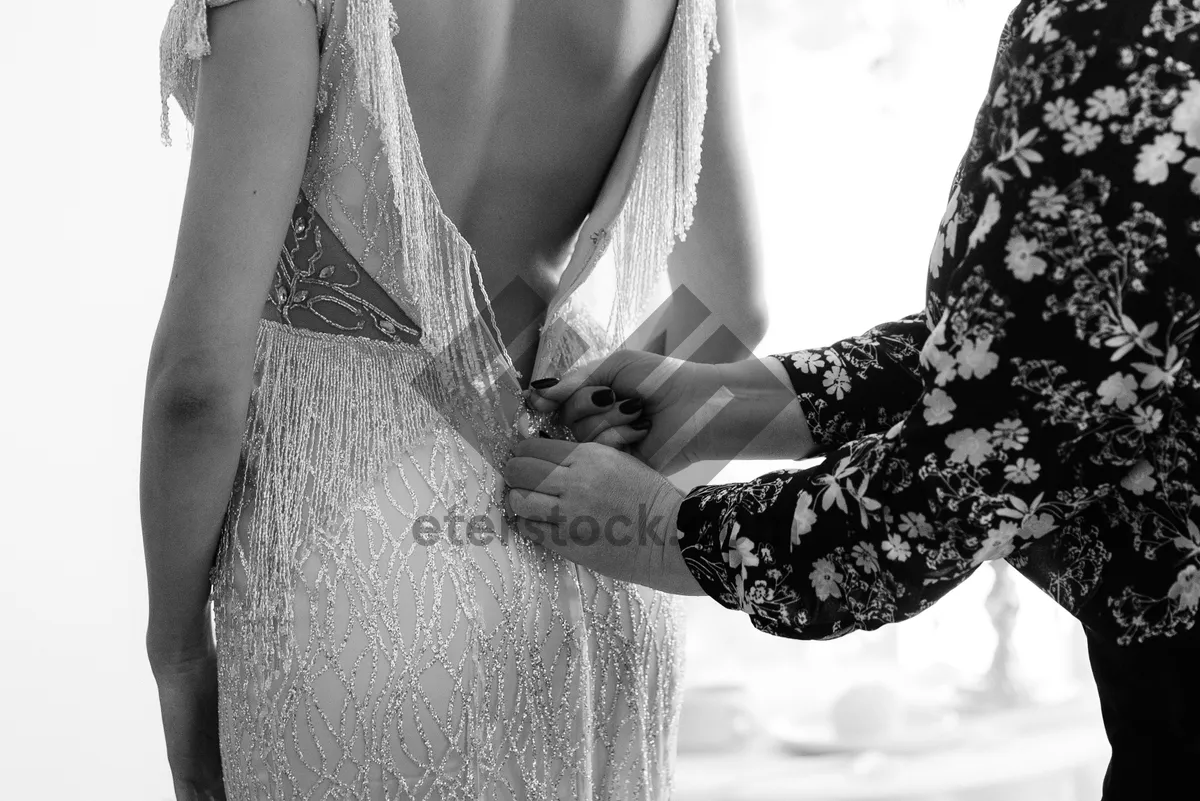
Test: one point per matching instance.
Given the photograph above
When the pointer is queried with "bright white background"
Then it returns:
(858, 112)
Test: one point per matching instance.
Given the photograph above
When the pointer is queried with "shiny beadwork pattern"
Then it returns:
(381, 633)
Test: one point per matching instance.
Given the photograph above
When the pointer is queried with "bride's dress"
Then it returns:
(364, 655)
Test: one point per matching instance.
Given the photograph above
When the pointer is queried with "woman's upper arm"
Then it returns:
(719, 261)
(255, 101)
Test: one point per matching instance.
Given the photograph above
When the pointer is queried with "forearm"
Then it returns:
(781, 549)
(716, 314)
(859, 386)
(988, 463)
(798, 405)
(191, 440)
(757, 414)
(719, 265)
(712, 330)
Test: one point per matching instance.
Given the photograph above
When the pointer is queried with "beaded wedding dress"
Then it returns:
(379, 636)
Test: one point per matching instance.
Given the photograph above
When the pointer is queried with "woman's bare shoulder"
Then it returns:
(186, 38)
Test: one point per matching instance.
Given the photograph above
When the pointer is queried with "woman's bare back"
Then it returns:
(520, 107)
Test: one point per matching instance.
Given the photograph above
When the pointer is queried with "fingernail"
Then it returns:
(543, 383)
(640, 425)
(631, 406)
(603, 398)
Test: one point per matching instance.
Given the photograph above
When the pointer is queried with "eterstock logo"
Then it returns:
(482, 530)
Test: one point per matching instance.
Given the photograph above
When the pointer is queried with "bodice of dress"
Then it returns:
(366, 179)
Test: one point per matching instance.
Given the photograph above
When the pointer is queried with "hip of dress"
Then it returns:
(383, 635)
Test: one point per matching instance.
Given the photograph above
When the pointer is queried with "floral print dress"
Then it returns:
(1043, 409)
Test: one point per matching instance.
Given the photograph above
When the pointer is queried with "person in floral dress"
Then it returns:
(1042, 409)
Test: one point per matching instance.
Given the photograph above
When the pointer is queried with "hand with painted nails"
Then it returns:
(671, 413)
(599, 508)
(595, 414)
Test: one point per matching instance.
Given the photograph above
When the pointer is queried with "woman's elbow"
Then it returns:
(747, 293)
(747, 321)
(754, 322)
(194, 390)
(739, 332)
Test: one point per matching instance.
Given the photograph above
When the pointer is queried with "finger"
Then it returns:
(531, 505)
(621, 437)
(535, 395)
(587, 401)
(586, 429)
(529, 473)
(597, 372)
(539, 531)
(557, 451)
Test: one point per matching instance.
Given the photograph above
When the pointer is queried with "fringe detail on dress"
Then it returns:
(184, 42)
(442, 271)
(328, 416)
(658, 209)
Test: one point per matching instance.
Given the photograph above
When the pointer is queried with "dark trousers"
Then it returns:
(1150, 699)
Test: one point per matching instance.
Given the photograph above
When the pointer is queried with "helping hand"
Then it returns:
(689, 412)
(600, 508)
(667, 404)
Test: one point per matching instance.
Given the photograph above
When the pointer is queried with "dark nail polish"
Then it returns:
(543, 383)
(603, 398)
(640, 425)
(631, 406)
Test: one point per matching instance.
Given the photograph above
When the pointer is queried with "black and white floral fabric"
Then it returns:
(1043, 408)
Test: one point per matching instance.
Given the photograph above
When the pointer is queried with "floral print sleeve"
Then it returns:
(1055, 421)
(861, 385)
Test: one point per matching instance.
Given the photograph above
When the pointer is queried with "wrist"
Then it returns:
(683, 582)
(670, 573)
(673, 499)
(763, 420)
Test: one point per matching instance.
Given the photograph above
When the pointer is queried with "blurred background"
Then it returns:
(857, 114)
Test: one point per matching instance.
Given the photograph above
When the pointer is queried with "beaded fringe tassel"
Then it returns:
(328, 416)
(659, 208)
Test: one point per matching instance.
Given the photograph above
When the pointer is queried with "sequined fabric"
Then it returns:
(380, 635)
(319, 286)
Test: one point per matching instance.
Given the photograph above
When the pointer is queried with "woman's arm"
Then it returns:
(719, 262)
(256, 95)
(858, 386)
(1051, 414)
(1013, 439)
